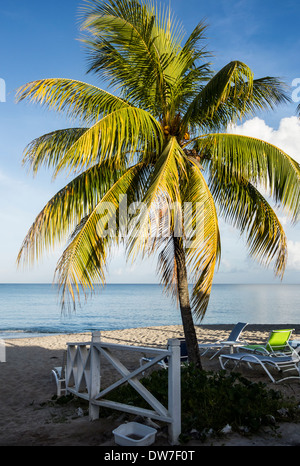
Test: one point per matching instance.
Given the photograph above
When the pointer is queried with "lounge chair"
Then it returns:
(232, 341)
(164, 362)
(278, 341)
(59, 376)
(281, 363)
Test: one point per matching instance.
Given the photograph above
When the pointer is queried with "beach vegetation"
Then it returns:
(212, 401)
(152, 163)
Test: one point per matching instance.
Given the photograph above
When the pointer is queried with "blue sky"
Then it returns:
(40, 40)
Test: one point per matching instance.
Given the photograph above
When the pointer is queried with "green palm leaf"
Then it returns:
(228, 84)
(257, 161)
(123, 39)
(48, 150)
(200, 241)
(131, 36)
(76, 99)
(244, 207)
(84, 260)
(230, 95)
(66, 209)
(125, 131)
(163, 193)
(203, 248)
(122, 127)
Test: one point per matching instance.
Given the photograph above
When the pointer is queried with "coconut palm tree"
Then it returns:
(152, 161)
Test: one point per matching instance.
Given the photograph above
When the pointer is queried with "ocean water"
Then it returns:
(34, 309)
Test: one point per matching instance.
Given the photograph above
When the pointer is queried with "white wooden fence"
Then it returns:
(83, 378)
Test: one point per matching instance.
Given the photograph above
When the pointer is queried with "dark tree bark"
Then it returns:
(184, 302)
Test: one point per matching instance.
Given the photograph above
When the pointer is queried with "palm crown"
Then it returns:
(158, 141)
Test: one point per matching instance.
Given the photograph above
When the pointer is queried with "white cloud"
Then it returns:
(286, 137)
(293, 255)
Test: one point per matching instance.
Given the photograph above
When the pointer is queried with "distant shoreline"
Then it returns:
(261, 328)
(158, 284)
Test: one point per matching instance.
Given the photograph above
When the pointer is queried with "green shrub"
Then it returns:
(210, 401)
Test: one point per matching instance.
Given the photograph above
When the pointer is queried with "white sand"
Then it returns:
(29, 417)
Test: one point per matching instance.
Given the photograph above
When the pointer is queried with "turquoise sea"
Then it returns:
(34, 309)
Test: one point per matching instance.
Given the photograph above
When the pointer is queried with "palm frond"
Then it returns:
(191, 73)
(194, 43)
(65, 210)
(79, 272)
(126, 130)
(232, 94)
(268, 93)
(166, 267)
(121, 126)
(202, 238)
(123, 48)
(265, 94)
(83, 262)
(48, 150)
(76, 99)
(241, 204)
(162, 195)
(257, 161)
(230, 82)
(137, 47)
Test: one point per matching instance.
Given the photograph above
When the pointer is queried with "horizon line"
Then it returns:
(158, 284)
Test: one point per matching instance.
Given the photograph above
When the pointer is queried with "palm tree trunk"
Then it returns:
(184, 302)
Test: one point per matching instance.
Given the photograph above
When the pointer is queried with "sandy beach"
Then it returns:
(29, 417)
